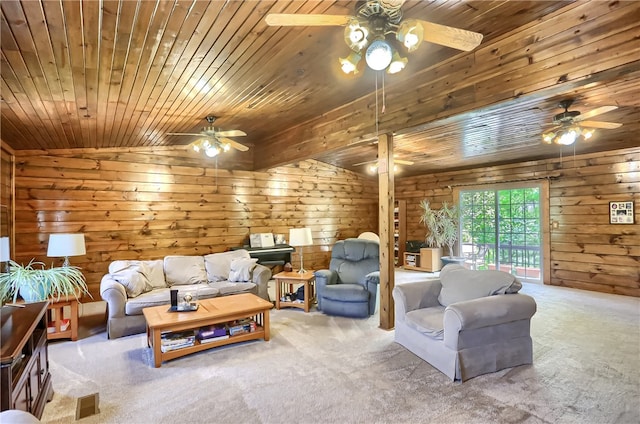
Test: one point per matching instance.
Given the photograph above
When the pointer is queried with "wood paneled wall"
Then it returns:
(586, 251)
(6, 190)
(146, 204)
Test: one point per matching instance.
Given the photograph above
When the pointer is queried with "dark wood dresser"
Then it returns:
(24, 377)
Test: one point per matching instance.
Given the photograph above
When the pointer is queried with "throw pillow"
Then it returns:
(218, 265)
(134, 279)
(241, 269)
(462, 284)
(180, 270)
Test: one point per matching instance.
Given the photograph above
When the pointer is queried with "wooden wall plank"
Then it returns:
(586, 251)
(131, 207)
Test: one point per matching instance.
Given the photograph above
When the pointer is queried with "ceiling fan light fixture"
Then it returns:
(212, 151)
(379, 55)
(349, 64)
(410, 34)
(356, 35)
(548, 137)
(397, 64)
(588, 133)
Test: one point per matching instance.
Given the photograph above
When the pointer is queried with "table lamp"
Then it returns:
(65, 245)
(5, 254)
(299, 237)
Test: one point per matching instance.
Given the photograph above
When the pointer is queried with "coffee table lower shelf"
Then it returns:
(211, 311)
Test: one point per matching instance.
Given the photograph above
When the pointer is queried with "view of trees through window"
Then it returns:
(500, 229)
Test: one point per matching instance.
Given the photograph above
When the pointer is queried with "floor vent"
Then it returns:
(87, 406)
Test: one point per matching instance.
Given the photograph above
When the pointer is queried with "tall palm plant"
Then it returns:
(441, 224)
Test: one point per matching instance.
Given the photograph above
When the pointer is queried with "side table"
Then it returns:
(289, 279)
(55, 316)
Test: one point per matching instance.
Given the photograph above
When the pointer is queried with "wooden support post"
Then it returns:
(385, 225)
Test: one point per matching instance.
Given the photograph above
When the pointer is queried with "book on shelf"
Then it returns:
(168, 348)
(213, 339)
(241, 327)
(174, 340)
(208, 332)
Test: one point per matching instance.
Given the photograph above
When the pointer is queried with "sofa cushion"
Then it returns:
(159, 297)
(346, 293)
(154, 270)
(227, 287)
(460, 284)
(428, 321)
(180, 270)
(241, 268)
(133, 277)
(218, 265)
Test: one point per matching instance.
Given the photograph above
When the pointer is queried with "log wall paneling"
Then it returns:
(6, 192)
(586, 251)
(137, 203)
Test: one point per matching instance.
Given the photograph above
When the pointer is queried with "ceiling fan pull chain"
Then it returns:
(384, 97)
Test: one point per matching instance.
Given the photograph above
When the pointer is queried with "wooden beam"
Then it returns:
(386, 202)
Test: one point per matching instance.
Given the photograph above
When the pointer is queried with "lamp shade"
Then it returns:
(300, 237)
(63, 245)
(5, 254)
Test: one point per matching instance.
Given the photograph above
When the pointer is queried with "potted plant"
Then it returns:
(35, 283)
(442, 227)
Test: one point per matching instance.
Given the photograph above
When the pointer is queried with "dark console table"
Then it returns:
(24, 375)
(279, 254)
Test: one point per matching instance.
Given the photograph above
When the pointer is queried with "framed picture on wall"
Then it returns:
(621, 212)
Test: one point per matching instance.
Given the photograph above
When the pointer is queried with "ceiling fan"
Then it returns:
(569, 125)
(373, 164)
(215, 141)
(371, 32)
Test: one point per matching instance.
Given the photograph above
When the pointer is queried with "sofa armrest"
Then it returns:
(115, 295)
(260, 277)
(411, 296)
(324, 277)
(486, 312)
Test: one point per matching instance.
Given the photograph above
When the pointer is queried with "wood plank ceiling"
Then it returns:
(125, 73)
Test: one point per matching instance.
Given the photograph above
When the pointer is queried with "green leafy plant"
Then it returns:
(43, 283)
(441, 224)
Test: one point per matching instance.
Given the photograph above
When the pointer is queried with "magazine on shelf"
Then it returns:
(213, 339)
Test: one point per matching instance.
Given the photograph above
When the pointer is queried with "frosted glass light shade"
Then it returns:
(300, 237)
(379, 55)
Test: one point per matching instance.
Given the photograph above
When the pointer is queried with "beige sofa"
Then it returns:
(131, 286)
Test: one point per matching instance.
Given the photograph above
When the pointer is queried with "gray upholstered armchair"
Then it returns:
(350, 286)
(465, 323)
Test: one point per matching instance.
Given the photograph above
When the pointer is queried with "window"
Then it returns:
(501, 229)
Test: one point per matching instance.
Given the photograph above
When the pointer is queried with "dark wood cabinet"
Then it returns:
(24, 375)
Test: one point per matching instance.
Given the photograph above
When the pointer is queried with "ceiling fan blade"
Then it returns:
(403, 162)
(289, 19)
(397, 161)
(191, 134)
(600, 124)
(230, 133)
(233, 144)
(456, 38)
(365, 163)
(595, 112)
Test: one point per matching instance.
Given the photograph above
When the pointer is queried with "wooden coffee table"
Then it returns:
(217, 310)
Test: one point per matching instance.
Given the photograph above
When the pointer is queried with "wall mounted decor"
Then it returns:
(621, 212)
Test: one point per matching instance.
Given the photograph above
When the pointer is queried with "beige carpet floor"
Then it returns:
(320, 369)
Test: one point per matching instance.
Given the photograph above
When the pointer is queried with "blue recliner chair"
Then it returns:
(350, 286)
